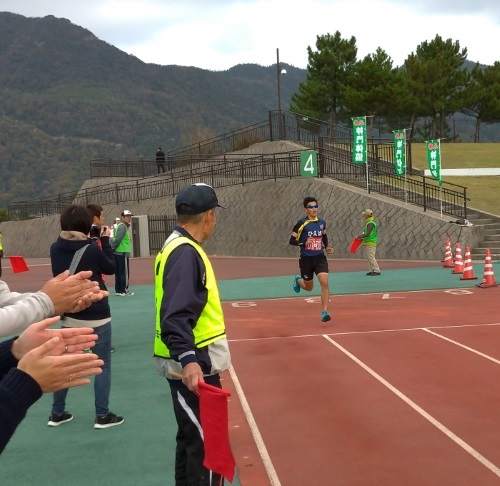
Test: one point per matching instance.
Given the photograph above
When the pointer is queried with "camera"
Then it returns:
(95, 232)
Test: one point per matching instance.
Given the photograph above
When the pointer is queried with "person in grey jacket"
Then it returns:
(60, 294)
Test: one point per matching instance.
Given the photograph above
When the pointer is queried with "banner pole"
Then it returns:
(366, 156)
(367, 178)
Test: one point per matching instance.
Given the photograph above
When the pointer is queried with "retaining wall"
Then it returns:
(260, 216)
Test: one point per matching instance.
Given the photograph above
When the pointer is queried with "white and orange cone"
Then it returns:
(459, 264)
(448, 257)
(468, 269)
(446, 245)
(489, 277)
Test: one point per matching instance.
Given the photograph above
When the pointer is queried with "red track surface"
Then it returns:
(325, 419)
(349, 408)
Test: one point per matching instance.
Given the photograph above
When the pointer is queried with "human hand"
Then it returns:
(329, 249)
(73, 293)
(53, 373)
(71, 339)
(105, 231)
(191, 374)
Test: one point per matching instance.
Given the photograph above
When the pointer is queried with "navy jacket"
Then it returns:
(18, 391)
(94, 259)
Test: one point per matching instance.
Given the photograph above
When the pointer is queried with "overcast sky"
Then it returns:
(218, 34)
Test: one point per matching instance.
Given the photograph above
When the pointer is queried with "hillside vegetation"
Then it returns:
(68, 97)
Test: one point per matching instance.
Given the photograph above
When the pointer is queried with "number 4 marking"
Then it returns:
(309, 166)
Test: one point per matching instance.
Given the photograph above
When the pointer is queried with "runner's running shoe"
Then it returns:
(296, 286)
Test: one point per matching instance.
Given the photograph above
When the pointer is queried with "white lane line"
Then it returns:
(462, 346)
(259, 442)
(351, 333)
(442, 290)
(494, 469)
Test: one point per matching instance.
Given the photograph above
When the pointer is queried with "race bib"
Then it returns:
(314, 244)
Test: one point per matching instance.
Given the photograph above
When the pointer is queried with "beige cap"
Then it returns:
(367, 212)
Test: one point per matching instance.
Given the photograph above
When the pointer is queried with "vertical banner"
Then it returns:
(434, 159)
(359, 140)
(400, 152)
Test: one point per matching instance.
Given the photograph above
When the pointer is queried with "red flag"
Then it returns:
(355, 245)
(214, 422)
(18, 264)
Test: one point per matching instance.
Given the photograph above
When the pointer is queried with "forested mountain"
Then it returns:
(67, 97)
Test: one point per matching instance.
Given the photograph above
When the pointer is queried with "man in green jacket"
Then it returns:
(369, 238)
(121, 245)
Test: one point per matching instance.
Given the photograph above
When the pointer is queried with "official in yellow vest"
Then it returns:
(369, 237)
(190, 337)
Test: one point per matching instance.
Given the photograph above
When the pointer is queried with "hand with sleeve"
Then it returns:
(53, 373)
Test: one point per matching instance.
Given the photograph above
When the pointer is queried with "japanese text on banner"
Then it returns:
(359, 140)
(434, 159)
(399, 152)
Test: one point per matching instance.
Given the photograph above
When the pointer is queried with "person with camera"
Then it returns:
(75, 251)
(97, 227)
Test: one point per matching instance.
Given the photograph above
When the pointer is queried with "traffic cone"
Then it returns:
(448, 257)
(446, 246)
(489, 277)
(459, 264)
(468, 269)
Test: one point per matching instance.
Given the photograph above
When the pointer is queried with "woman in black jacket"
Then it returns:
(75, 225)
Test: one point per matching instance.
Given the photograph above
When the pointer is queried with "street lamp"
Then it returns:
(279, 72)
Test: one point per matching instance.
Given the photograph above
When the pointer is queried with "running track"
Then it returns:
(399, 388)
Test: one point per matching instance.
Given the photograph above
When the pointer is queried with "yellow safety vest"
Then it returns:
(372, 239)
(210, 326)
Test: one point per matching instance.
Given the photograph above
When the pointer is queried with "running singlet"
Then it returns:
(310, 234)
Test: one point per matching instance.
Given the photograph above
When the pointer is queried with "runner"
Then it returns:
(310, 235)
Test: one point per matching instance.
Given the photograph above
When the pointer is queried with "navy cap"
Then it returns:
(196, 198)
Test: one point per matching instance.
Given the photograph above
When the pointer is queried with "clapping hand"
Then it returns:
(73, 293)
(56, 372)
(71, 340)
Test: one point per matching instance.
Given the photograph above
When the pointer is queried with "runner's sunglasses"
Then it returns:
(312, 206)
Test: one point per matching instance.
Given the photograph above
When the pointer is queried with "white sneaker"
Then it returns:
(121, 294)
(128, 294)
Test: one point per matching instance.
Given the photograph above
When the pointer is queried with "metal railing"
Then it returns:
(159, 227)
(279, 126)
(212, 162)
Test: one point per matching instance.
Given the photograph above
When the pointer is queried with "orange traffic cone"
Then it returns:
(446, 245)
(459, 264)
(489, 277)
(448, 257)
(468, 269)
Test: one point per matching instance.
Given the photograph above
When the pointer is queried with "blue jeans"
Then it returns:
(102, 382)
